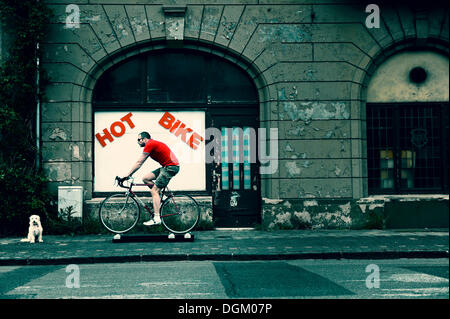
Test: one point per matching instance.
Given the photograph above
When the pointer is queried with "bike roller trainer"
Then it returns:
(121, 238)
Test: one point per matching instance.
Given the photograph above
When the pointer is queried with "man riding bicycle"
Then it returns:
(161, 153)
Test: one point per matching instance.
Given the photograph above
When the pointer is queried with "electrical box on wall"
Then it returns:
(70, 201)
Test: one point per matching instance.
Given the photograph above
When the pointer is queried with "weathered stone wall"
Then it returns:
(310, 62)
(375, 212)
(391, 80)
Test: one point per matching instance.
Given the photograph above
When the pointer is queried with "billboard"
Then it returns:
(116, 148)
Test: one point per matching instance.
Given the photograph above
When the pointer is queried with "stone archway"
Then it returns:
(84, 92)
(359, 93)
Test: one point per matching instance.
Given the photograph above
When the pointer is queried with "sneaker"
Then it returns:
(152, 222)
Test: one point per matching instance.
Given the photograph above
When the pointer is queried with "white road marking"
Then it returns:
(419, 278)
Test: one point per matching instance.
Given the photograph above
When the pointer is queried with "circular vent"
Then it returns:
(418, 75)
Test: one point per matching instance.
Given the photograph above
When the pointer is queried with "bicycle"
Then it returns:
(119, 213)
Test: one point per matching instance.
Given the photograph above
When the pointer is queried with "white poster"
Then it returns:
(116, 148)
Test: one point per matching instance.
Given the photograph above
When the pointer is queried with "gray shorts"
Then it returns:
(164, 175)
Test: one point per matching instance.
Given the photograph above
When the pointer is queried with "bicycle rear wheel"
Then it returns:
(180, 214)
(119, 213)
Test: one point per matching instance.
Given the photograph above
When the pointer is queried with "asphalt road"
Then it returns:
(312, 279)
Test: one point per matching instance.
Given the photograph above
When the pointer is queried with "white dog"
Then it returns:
(35, 230)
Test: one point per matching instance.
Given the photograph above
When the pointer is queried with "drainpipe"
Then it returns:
(38, 109)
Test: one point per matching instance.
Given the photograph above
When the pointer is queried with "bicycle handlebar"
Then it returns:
(121, 180)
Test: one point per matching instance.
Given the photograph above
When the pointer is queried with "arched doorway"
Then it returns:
(176, 93)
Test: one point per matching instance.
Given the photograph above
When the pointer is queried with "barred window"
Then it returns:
(407, 148)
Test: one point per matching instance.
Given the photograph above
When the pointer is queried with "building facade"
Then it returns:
(284, 113)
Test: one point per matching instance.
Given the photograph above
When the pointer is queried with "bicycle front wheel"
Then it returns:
(180, 214)
(119, 213)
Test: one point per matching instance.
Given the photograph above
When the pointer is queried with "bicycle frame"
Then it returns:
(184, 215)
(163, 193)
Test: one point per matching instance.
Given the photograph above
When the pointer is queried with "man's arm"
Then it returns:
(138, 164)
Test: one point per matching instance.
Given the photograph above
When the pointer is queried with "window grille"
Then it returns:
(407, 148)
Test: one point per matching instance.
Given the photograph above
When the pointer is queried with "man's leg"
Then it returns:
(156, 202)
(148, 179)
(163, 176)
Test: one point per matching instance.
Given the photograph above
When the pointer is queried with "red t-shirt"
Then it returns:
(161, 153)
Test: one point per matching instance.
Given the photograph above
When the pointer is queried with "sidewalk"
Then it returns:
(232, 245)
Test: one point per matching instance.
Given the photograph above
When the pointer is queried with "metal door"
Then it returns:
(236, 189)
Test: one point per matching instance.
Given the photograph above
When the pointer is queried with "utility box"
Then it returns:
(70, 199)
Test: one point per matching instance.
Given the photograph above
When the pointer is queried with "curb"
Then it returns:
(224, 257)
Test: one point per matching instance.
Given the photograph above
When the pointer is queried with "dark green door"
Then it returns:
(236, 189)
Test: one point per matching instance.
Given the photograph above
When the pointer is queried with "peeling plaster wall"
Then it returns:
(391, 82)
(311, 61)
(308, 214)
(374, 212)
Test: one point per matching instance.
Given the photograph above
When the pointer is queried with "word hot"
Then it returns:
(116, 129)
(178, 128)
